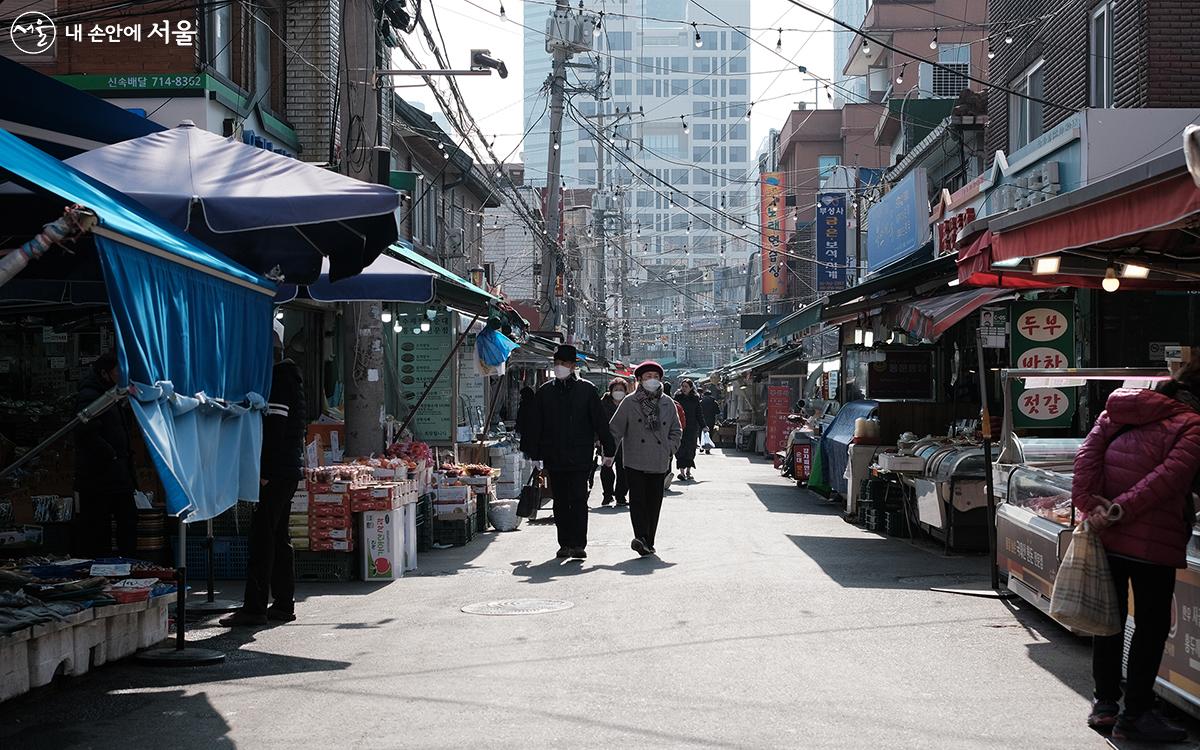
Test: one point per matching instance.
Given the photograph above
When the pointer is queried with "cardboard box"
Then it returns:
(329, 511)
(382, 545)
(333, 545)
(456, 494)
(322, 535)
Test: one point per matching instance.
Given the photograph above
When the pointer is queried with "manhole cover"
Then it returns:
(517, 607)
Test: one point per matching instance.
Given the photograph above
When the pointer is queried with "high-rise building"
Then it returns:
(848, 89)
(535, 150)
(682, 159)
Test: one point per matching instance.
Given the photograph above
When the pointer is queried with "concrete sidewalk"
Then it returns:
(765, 621)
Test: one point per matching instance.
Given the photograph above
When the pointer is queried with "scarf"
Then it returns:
(649, 404)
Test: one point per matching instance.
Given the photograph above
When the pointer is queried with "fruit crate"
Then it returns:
(230, 556)
(325, 566)
(454, 533)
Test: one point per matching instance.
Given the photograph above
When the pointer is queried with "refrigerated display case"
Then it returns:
(1033, 529)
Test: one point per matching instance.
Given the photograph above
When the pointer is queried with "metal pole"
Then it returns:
(492, 405)
(857, 223)
(552, 319)
(88, 413)
(598, 217)
(985, 415)
(437, 375)
(181, 594)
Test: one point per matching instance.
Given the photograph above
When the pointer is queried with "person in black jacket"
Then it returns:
(612, 478)
(271, 571)
(566, 421)
(104, 475)
(709, 409)
(525, 409)
(693, 419)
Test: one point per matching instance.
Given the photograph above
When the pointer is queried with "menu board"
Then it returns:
(902, 375)
(472, 386)
(779, 405)
(420, 355)
(1043, 337)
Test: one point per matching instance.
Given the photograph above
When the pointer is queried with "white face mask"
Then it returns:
(618, 395)
(561, 371)
(652, 384)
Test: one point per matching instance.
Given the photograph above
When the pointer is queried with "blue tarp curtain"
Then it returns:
(194, 331)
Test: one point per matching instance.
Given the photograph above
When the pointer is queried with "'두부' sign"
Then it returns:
(1043, 338)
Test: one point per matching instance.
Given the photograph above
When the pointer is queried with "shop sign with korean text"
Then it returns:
(779, 405)
(774, 282)
(831, 242)
(1043, 337)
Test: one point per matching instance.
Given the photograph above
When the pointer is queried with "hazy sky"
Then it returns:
(496, 103)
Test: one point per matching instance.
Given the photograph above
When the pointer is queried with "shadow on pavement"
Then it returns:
(550, 570)
(639, 566)
(787, 498)
(892, 564)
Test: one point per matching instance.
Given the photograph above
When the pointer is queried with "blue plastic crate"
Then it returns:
(230, 556)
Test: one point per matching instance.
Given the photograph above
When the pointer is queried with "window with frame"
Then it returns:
(702, 88)
(679, 176)
(738, 65)
(622, 87)
(679, 65)
(702, 133)
(703, 65)
(645, 87)
(679, 87)
(621, 65)
(619, 40)
(739, 87)
(1100, 44)
(1025, 115)
(825, 167)
(587, 154)
(220, 31)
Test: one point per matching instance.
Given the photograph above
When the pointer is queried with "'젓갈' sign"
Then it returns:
(1043, 338)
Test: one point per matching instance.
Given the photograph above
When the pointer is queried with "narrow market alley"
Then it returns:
(765, 621)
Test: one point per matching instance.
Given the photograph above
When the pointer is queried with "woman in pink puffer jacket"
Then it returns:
(1143, 455)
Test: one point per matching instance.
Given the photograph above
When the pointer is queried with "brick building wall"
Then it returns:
(311, 29)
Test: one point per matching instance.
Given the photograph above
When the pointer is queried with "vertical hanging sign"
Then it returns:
(831, 242)
(774, 281)
(1043, 338)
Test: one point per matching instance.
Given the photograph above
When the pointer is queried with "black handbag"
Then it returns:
(531, 497)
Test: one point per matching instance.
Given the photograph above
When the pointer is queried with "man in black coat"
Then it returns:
(565, 422)
(104, 475)
(271, 571)
(709, 408)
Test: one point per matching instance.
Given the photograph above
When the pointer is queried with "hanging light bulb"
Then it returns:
(1008, 37)
(1111, 283)
(991, 52)
(555, 144)
(599, 23)
(699, 41)
(779, 42)
(685, 125)
(279, 315)
(933, 43)
(396, 327)
(386, 316)
(749, 110)
(425, 326)
(866, 48)
(900, 78)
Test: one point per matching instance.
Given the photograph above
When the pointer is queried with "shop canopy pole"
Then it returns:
(986, 416)
(91, 411)
(492, 406)
(212, 604)
(437, 376)
(74, 222)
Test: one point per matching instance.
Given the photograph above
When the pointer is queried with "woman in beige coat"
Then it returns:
(647, 427)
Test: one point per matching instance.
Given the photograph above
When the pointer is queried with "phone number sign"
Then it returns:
(1043, 337)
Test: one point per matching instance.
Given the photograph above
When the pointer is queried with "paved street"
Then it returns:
(767, 622)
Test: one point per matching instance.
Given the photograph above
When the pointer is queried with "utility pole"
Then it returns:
(853, 278)
(362, 331)
(599, 207)
(552, 315)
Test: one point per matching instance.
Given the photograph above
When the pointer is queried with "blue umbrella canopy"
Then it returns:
(386, 280)
(271, 213)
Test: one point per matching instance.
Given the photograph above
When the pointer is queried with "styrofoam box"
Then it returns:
(456, 494)
(14, 664)
(152, 622)
(91, 643)
(508, 491)
(121, 626)
(52, 647)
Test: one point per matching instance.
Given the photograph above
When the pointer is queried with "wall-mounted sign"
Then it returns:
(899, 223)
(830, 231)
(901, 374)
(1043, 337)
(774, 279)
(420, 356)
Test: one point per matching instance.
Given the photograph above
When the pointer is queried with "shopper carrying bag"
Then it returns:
(1142, 456)
(531, 497)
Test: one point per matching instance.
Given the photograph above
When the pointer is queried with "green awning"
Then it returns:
(805, 317)
(451, 289)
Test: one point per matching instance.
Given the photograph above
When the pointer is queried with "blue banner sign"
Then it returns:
(830, 231)
(899, 223)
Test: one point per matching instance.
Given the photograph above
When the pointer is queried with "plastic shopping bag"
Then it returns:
(706, 441)
(1084, 598)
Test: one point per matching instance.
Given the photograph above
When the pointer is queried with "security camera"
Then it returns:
(482, 58)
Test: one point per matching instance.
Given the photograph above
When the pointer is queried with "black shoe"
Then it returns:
(579, 553)
(607, 501)
(563, 552)
(1104, 715)
(622, 502)
(279, 614)
(638, 546)
(1149, 726)
(242, 618)
(650, 547)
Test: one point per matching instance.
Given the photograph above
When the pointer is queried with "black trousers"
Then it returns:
(1153, 589)
(645, 503)
(612, 478)
(570, 490)
(99, 509)
(271, 571)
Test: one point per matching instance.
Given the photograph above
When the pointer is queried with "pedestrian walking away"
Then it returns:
(1143, 456)
(104, 475)
(271, 569)
(612, 478)
(693, 422)
(647, 427)
(565, 422)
